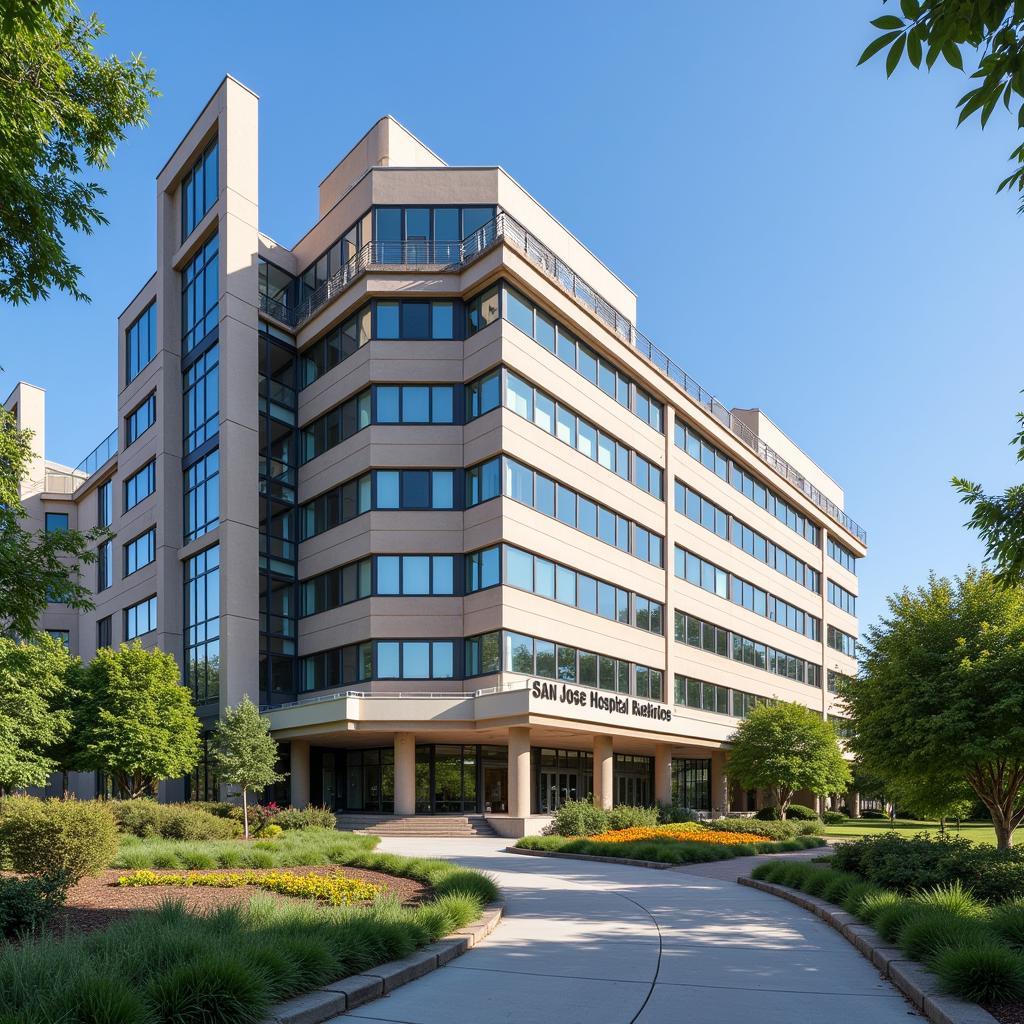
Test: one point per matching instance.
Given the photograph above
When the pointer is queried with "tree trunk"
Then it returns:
(998, 786)
(245, 811)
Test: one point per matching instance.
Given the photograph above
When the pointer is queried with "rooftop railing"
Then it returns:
(453, 255)
(106, 449)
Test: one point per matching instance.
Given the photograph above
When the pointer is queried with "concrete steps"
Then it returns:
(434, 825)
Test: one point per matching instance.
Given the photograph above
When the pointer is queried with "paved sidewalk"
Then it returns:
(586, 943)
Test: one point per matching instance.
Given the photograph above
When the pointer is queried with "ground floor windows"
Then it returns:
(691, 783)
(561, 775)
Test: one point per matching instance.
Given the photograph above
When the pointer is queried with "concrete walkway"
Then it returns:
(586, 943)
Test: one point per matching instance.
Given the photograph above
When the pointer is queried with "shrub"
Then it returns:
(834, 818)
(931, 931)
(146, 818)
(219, 988)
(773, 830)
(770, 813)
(307, 817)
(873, 904)
(874, 815)
(890, 921)
(670, 814)
(840, 883)
(984, 972)
(64, 838)
(1007, 921)
(626, 816)
(29, 903)
(578, 818)
(798, 812)
(856, 894)
(271, 831)
(952, 898)
(815, 881)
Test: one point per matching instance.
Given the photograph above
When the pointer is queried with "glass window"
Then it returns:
(199, 296)
(57, 522)
(202, 496)
(140, 485)
(140, 618)
(201, 400)
(140, 342)
(416, 320)
(416, 574)
(388, 659)
(519, 396)
(519, 568)
(388, 574)
(545, 653)
(199, 190)
(388, 320)
(519, 653)
(567, 664)
(442, 322)
(105, 565)
(482, 310)
(202, 625)
(387, 488)
(140, 419)
(140, 551)
(518, 311)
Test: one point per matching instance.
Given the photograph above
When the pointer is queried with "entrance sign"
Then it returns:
(599, 700)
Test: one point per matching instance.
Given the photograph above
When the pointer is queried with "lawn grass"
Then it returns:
(977, 831)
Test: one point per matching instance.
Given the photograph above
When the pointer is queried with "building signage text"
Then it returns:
(599, 700)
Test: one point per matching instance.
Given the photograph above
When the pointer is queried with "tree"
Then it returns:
(34, 567)
(994, 29)
(136, 720)
(63, 109)
(999, 520)
(787, 747)
(32, 678)
(244, 752)
(940, 698)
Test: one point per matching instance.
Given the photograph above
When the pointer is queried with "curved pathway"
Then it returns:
(586, 943)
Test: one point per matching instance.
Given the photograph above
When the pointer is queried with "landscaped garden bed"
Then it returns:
(99, 927)
(955, 908)
(675, 843)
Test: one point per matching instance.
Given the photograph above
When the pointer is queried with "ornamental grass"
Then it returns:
(679, 833)
(334, 889)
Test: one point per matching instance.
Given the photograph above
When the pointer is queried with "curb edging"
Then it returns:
(657, 864)
(338, 997)
(918, 985)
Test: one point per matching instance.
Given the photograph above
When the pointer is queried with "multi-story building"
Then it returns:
(419, 487)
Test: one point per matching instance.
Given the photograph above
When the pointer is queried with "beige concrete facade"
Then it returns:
(501, 741)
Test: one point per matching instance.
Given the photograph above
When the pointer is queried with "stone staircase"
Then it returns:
(459, 826)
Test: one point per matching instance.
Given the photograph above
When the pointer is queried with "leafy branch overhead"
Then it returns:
(63, 109)
(928, 29)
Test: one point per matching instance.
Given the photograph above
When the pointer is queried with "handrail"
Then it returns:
(504, 227)
(105, 450)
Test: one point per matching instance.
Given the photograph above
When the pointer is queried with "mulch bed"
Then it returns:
(99, 901)
(1008, 1013)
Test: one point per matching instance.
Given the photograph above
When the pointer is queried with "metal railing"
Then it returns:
(58, 482)
(453, 255)
(105, 450)
(400, 695)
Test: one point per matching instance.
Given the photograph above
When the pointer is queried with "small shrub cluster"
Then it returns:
(873, 815)
(146, 818)
(66, 839)
(975, 950)
(290, 818)
(775, 830)
(924, 861)
(671, 814)
(334, 889)
(585, 818)
(795, 812)
(834, 818)
(27, 904)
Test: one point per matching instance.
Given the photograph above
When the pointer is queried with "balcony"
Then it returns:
(103, 452)
(452, 256)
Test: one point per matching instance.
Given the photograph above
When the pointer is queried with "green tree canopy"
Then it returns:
(34, 566)
(940, 698)
(244, 752)
(924, 30)
(999, 520)
(32, 679)
(787, 747)
(136, 720)
(63, 109)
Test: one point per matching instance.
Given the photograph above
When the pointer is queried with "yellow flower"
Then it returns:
(333, 888)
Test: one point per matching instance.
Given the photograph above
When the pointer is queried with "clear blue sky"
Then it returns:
(802, 235)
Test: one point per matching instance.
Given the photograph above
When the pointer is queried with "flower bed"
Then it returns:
(334, 888)
(681, 833)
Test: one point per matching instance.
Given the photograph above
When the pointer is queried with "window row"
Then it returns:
(140, 343)
(708, 576)
(722, 700)
(513, 567)
(382, 489)
(140, 419)
(514, 652)
(199, 189)
(140, 551)
(717, 640)
(843, 726)
(140, 485)
(842, 642)
(522, 398)
(202, 625)
(845, 558)
(199, 296)
(697, 447)
(383, 575)
(842, 598)
(699, 509)
(547, 332)
(405, 319)
(202, 496)
(833, 678)
(504, 475)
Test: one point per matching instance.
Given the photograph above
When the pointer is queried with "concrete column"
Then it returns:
(299, 769)
(519, 771)
(662, 773)
(604, 772)
(405, 773)
(853, 803)
(720, 800)
(819, 804)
